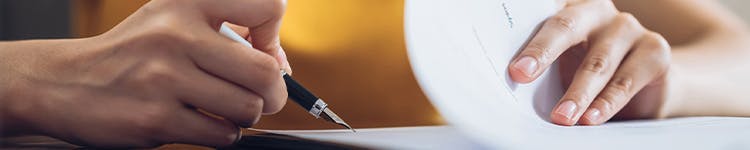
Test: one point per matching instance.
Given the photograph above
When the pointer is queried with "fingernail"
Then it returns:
(283, 60)
(282, 57)
(232, 137)
(235, 137)
(527, 65)
(593, 115)
(567, 109)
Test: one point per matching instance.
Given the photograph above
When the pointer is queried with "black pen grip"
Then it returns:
(298, 93)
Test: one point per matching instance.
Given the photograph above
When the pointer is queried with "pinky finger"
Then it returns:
(194, 127)
(645, 64)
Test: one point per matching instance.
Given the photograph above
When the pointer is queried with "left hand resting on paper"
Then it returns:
(610, 64)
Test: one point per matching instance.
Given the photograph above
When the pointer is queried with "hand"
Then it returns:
(163, 75)
(609, 63)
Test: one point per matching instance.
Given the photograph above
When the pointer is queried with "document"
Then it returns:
(681, 133)
(460, 51)
(423, 137)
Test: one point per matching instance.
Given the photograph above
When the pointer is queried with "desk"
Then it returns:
(254, 139)
(419, 137)
(43, 142)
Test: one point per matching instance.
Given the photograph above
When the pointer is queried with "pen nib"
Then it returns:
(328, 115)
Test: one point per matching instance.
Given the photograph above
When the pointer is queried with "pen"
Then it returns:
(314, 105)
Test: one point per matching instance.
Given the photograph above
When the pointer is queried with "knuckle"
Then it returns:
(605, 46)
(275, 108)
(563, 23)
(620, 85)
(539, 51)
(625, 16)
(657, 41)
(268, 63)
(595, 64)
(268, 70)
(151, 120)
(663, 62)
(253, 108)
(156, 73)
(277, 7)
(606, 102)
(604, 7)
(606, 4)
(659, 48)
(629, 21)
(167, 31)
(161, 28)
(617, 89)
(578, 97)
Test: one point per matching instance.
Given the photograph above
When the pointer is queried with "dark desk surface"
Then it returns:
(253, 140)
(43, 142)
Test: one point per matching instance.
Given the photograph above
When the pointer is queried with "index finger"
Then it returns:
(263, 20)
(567, 28)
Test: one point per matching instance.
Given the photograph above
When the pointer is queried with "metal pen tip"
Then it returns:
(332, 117)
(347, 126)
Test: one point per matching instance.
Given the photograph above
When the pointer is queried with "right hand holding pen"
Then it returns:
(163, 75)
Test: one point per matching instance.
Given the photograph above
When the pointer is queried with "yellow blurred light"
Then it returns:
(320, 26)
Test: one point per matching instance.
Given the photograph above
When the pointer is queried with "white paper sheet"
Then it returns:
(423, 137)
(699, 133)
(460, 51)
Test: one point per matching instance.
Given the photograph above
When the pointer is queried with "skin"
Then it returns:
(617, 65)
(163, 75)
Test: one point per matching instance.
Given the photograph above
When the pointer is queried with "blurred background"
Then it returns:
(350, 52)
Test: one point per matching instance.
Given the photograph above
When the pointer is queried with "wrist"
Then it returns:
(688, 88)
(674, 92)
(7, 116)
(28, 67)
(11, 89)
(15, 109)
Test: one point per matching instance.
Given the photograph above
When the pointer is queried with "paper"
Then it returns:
(449, 137)
(427, 137)
(460, 50)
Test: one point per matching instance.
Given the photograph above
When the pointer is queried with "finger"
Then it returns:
(245, 33)
(244, 66)
(606, 52)
(240, 30)
(266, 38)
(648, 61)
(284, 61)
(564, 30)
(263, 21)
(247, 13)
(192, 127)
(220, 97)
